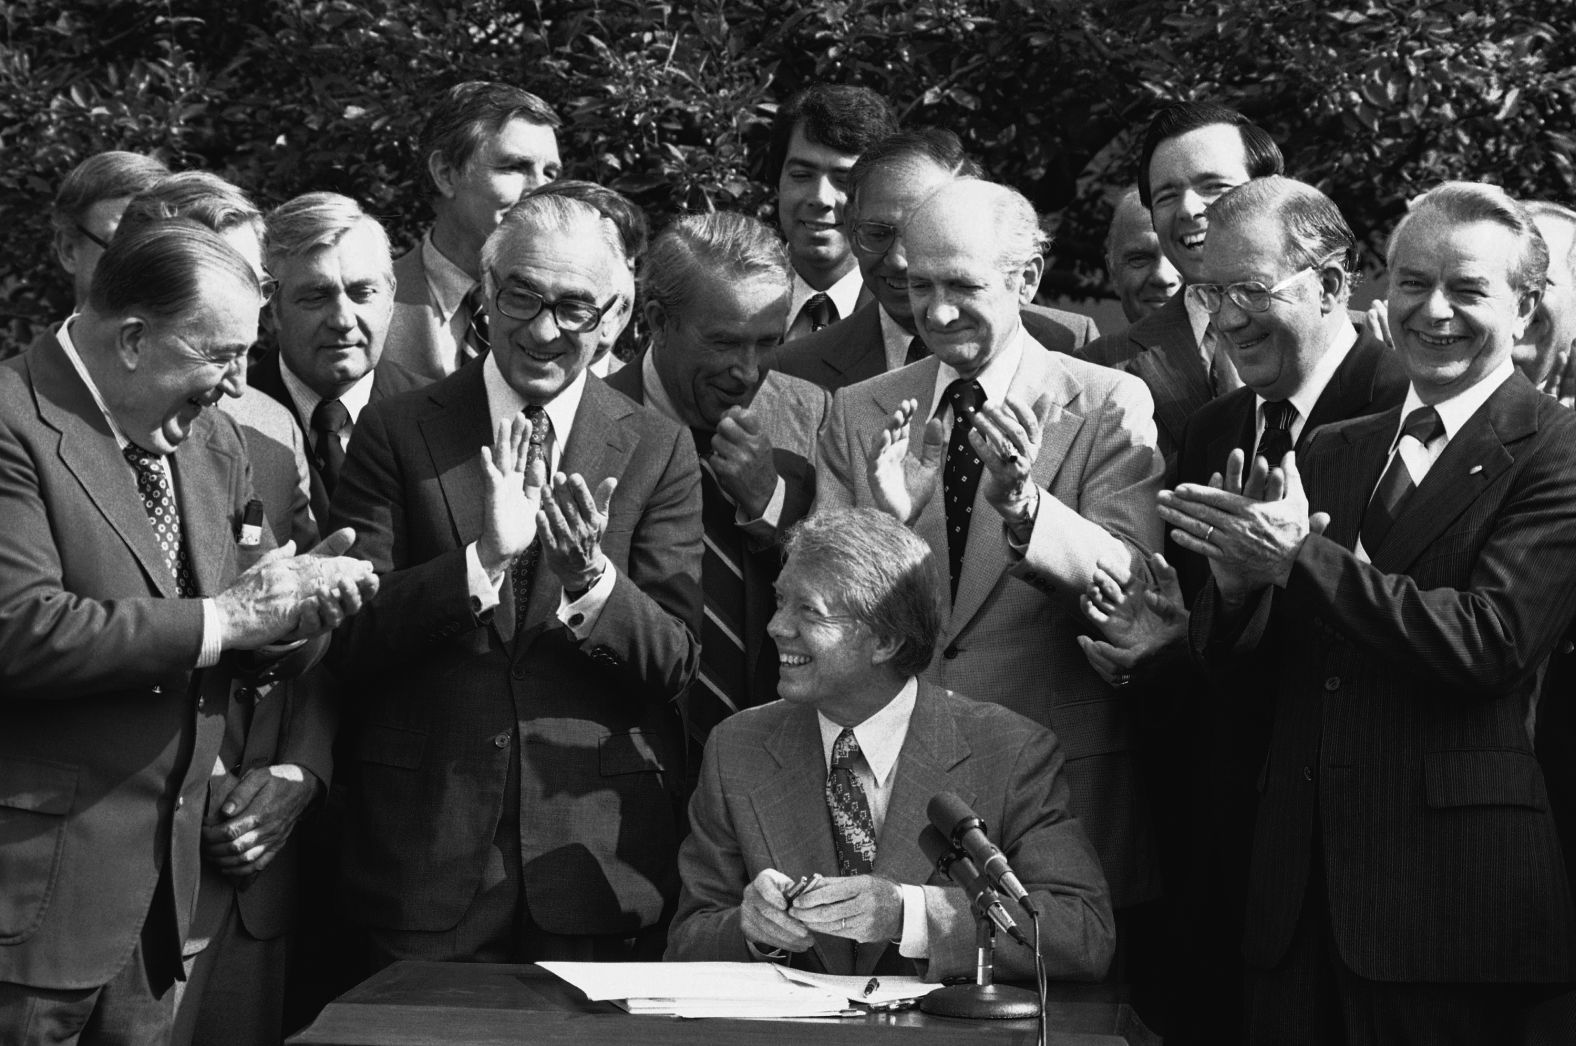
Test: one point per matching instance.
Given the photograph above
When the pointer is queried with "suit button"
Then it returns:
(200, 703)
(1307, 773)
(1332, 684)
(158, 689)
(950, 653)
(502, 740)
(518, 671)
(180, 801)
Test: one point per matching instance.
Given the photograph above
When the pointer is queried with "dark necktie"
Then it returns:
(159, 502)
(960, 475)
(329, 418)
(722, 660)
(821, 311)
(917, 351)
(1275, 441)
(475, 341)
(1425, 426)
(524, 567)
(853, 829)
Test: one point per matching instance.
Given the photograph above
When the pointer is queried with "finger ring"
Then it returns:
(1121, 681)
(1208, 532)
(843, 926)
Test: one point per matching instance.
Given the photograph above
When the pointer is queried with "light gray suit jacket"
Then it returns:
(1010, 637)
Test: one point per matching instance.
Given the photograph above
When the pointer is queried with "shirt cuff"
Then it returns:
(1021, 548)
(483, 590)
(915, 942)
(581, 616)
(773, 511)
(212, 637)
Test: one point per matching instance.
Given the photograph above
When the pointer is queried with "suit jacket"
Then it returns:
(389, 378)
(1400, 691)
(438, 694)
(275, 445)
(762, 804)
(418, 340)
(792, 412)
(1010, 637)
(107, 733)
(853, 350)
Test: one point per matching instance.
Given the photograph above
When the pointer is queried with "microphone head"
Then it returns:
(950, 814)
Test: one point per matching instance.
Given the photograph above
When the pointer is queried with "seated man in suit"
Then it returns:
(125, 623)
(716, 288)
(816, 137)
(330, 318)
(890, 180)
(1192, 153)
(1024, 470)
(1141, 274)
(512, 713)
(835, 780)
(1391, 601)
(485, 145)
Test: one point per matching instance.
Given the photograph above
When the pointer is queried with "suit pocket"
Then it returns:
(391, 746)
(1483, 777)
(35, 797)
(631, 753)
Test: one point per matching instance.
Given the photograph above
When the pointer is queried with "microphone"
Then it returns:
(952, 817)
(955, 865)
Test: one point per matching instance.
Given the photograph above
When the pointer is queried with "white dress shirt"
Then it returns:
(1308, 395)
(305, 400)
(844, 294)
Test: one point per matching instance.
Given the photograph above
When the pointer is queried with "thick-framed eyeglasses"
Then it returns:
(267, 286)
(90, 234)
(1251, 296)
(572, 317)
(874, 237)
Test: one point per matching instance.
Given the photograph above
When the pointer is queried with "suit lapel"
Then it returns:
(1348, 477)
(790, 805)
(89, 452)
(206, 528)
(864, 354)
(454, 434)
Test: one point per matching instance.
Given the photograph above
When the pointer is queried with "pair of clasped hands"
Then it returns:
(777, 912)
(1248, 522)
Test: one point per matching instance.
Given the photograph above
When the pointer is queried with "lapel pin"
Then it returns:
(1474, 470)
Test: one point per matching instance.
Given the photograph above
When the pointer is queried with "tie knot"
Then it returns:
(541, 425)
(1424, 425)
(145, 462)
(845, 750)
(965, 396)
(329, 416)
(1279, 414)
(475, 299)
(702, 439)
(917, 350)
(819, 308)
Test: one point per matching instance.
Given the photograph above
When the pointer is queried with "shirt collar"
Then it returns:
(448, 282)
(1307, 395)
(656, 395)
(64, 336)
(1198, 318)
(880, 736)
(844, 294)
(306, 398)
(1458, 409)
(995, 379)
(503, 402)
(894, 339)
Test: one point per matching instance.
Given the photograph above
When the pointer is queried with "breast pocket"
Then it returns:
(35, 797)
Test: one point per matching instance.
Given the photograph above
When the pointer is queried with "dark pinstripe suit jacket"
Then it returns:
(1400, 689)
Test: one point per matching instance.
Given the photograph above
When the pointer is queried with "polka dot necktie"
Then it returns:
(960, 475)
(154, 485)
(853, 829)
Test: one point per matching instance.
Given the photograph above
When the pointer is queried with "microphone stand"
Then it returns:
(984, 999)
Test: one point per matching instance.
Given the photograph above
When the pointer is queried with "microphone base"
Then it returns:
(992, 1002)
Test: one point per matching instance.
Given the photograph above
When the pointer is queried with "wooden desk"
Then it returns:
(421, 1003)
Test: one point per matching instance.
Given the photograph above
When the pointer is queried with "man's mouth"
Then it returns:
(1192, 241)
(792, 660)
(1437, 341)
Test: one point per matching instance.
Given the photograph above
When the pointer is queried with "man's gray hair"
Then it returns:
(1312, 228)
(886, 577)
(1465, 202)
(1019, 235)
(540, 213)
(317, 220)
(202, 196)
(160, 267)
(1559, 212)
(702, 250)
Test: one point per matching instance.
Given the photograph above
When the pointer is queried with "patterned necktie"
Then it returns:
(329, 418)
(917, 351)
(821, 311)
(723, 674)
(159, 501)
(475, 341)
(853, 830)
(1424, 426)
(524, 567)
(960, 475)
(1275, 441)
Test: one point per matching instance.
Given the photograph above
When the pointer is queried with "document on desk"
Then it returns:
(872, 991)
(702, 989)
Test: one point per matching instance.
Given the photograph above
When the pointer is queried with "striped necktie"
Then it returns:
(1396, 485)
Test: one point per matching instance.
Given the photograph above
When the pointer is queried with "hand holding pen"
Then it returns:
(765, 914)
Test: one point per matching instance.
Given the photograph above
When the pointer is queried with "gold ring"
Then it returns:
(1208, 533)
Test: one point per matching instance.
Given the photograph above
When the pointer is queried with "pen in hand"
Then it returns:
(805, 882)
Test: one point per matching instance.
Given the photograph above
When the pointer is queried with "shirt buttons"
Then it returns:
(1332, 684)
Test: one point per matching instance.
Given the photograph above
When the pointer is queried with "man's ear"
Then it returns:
(1333, 285)
(656, 322)
(1031, 272)
(443, 176)
(66, 250)
(131, 340)
(1527, 309)
(886, 648)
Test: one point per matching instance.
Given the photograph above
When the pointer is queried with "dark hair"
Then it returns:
(102, 176)
(699, 251)
(1312, 228)
(161, 267)
(633, 229)
(886, 577)
(932, 145)
(199, 195)
(839, 116)
(468, 111)
(1175, 120)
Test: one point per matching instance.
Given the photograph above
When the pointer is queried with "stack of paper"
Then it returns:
(699, 989)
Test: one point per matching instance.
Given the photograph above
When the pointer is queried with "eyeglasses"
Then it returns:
(874, 237)
(267, 286)
(572, 317)
(1251, 296)
(84, 230)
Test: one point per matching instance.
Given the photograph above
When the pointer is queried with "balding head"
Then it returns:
(1143, 277)
(975, 255)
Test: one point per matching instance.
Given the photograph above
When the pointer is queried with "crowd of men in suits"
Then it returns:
(1244, 629)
